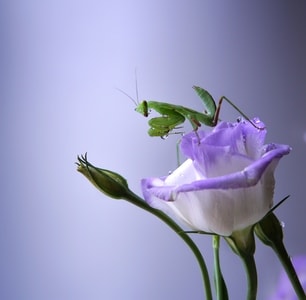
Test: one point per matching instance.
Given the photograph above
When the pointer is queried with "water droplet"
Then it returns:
(164, 137)
(170, 172)
(256, 120)
(282, 224)
(239, 119)
(269, 147)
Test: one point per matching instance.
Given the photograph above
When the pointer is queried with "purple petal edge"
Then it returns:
(242, 179)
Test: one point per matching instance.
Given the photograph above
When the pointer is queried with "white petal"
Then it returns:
(185, 173)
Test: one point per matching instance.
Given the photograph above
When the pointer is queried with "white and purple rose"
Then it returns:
(227, 182)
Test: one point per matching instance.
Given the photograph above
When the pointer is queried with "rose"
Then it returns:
(227, 182)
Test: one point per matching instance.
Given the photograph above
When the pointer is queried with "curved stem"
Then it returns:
(115, 186)
(136, 200)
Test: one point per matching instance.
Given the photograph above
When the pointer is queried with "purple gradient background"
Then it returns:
(60, 64)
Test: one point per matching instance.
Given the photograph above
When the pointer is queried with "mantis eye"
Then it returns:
(145, 108)
(142, 108)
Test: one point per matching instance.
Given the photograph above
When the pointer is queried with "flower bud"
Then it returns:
(108, 182)
(269, 230)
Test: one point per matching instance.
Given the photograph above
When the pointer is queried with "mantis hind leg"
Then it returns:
(216, 116)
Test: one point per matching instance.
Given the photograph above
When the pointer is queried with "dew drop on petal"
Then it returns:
(256, 120)
(240, 120)
(282, 224)
(244, 138)
(170, 172)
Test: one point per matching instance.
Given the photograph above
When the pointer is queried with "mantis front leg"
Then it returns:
(161, 126)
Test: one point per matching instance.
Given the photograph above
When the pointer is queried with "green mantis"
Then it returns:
(174, 115)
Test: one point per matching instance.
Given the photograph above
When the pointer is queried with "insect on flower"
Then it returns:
(172, 116)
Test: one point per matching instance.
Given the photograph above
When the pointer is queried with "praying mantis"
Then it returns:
(172, 116)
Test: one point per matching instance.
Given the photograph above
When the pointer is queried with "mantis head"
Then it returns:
(142, 108)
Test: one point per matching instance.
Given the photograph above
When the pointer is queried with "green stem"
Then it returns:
(250, 267)
(284, 258)
(134, 199)
(217, 274)
(270, 232)
(243, 244)
(220, 286)
(115, 186)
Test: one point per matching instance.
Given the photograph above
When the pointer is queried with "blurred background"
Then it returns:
(61, 62)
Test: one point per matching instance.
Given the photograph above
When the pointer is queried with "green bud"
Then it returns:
(108, 182)
(269, 230)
